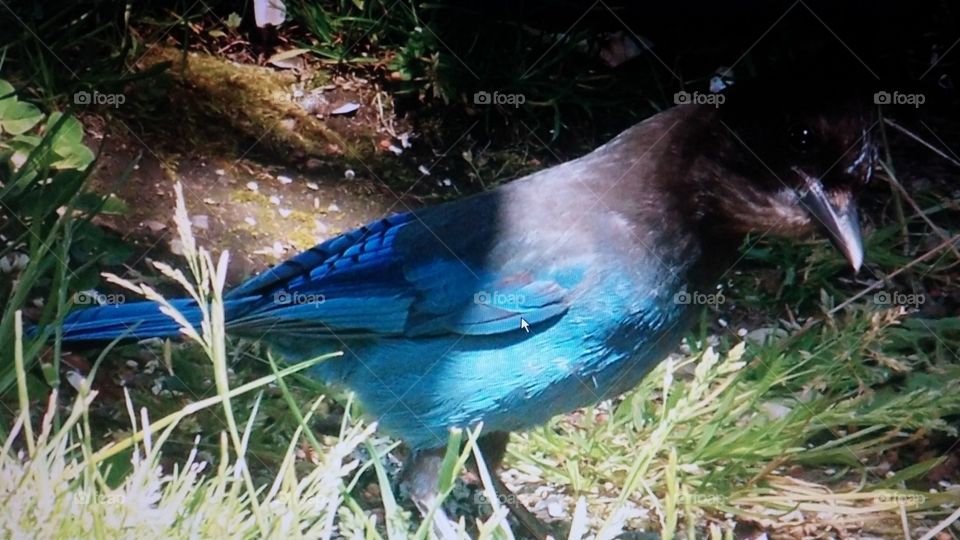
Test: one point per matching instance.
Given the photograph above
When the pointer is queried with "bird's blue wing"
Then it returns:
(398, 277)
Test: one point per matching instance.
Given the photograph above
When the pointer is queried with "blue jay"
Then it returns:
(551, 292)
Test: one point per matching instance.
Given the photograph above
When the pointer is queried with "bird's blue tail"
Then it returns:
(136, 320)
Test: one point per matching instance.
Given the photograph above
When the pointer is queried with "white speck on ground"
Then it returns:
(346, 108)
(154, 225)
(200, 221)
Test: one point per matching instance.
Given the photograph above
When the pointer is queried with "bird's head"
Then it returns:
(792, 162)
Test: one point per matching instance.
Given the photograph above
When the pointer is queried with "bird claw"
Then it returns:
(533, 525)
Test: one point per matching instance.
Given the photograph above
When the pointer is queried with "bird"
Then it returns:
(554, 291)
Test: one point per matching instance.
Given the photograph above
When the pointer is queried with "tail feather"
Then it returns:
(137, 320)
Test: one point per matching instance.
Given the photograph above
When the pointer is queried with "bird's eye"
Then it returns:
(802, 138)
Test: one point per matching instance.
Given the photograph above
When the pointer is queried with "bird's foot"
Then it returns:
(420, 478)
(533, 525)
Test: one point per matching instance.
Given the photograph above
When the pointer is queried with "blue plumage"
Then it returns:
(508, 307)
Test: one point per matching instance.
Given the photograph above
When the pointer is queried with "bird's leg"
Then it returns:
(421, 480)
(494, 447)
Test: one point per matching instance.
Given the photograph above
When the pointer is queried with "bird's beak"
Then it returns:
(839, 219)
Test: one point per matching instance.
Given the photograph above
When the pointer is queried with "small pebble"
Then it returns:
(274, 199)
(249, 220)
(313, 185)
(200, 221)
(285, 179)
(75, 379)
(424, 170)
(14, 261)
(349, 174)
(285, 212)
(333, 208)
(555, 509)
(346, 108)
(220, 172)
(252, 186)
(154, 226)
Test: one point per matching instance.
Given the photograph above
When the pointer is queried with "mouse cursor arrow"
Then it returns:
(524, 324)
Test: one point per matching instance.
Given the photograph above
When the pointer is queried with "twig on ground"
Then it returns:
(920, 140)
(892, 178)
(904, 268)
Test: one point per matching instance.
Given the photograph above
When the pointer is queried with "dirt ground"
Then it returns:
(283, 174)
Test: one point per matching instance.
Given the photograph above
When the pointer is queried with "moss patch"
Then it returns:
(254, 105)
